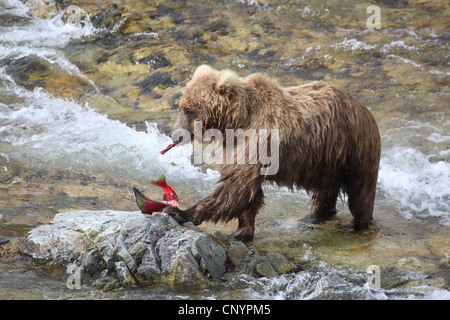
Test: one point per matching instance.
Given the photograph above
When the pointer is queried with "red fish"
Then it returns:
(169, 192)
(170, 146)
(147, 205)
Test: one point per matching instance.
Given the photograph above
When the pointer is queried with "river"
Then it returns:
(86, 105)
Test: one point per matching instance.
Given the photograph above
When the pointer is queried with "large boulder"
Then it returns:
(135, 248)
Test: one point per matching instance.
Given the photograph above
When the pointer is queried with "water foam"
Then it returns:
(43, 38)
(419, 186)
(331, 283)
(40, 33)
(353, 45)
(15, 8)
(56, 134)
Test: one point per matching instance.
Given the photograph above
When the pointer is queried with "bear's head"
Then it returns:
(217, 99)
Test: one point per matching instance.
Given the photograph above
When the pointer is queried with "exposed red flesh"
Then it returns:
(169, 192)
(170, 146)
(149, 206)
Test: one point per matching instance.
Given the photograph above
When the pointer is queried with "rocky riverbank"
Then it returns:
(121, 249)
(118, 247)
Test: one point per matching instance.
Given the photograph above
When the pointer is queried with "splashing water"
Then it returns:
(420, 187)
(54, 134)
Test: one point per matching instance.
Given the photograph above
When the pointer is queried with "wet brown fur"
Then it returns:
(329, 143)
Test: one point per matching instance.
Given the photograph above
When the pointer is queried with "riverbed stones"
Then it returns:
(135, 248)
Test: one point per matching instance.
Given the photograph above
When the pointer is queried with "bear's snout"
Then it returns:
(182, 131)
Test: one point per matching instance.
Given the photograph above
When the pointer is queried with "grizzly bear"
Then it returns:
(329, 144)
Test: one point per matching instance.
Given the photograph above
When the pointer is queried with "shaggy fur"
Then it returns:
(329, 143)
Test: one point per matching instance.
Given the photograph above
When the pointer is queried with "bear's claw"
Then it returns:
(175, 213)
(242, 236)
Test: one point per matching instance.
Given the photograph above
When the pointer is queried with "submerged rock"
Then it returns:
(136, 248)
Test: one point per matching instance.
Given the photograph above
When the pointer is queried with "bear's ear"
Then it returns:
(227, 83)
(202, 70)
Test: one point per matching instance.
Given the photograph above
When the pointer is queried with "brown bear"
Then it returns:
(328, 143)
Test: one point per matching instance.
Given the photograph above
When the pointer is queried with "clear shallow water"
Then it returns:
(401, 74)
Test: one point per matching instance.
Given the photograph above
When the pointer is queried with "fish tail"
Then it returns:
(147, 205)
(169, 192)
(140, 199)
(161, 182)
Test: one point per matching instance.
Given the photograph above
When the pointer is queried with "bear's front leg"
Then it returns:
(246, 220)
(237, 197)
(188, 215)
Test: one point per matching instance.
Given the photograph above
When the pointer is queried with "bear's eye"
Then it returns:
(189, 112)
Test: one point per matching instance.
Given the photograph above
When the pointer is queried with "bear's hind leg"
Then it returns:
(361, 196)
(324, 206)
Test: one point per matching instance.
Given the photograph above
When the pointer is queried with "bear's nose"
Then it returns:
(181, 136)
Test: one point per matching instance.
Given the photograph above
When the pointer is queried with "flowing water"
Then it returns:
(85, 108)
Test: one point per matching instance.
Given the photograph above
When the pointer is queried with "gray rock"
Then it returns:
(124, 274)
(211, 256)
(438, 282)
(265, 269)
(280, 263)
(137, 248)
(4, 240)
(269, 265)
